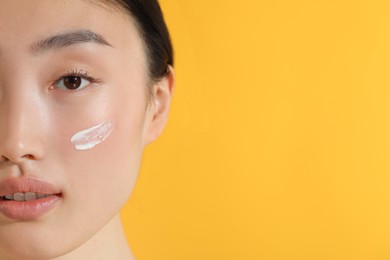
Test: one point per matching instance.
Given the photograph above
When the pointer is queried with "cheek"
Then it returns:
(105, 175)
(98, 181)
(105, 150)
(99, 148)
(89, 138)
(101, 153)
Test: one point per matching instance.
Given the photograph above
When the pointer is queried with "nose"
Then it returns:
(19, 127)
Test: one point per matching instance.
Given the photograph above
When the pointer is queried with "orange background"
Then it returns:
(278, 142)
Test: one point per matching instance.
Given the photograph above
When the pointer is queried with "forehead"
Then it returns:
(110, 4)
(23, 22)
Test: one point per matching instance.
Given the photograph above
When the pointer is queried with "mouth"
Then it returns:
(25, 196)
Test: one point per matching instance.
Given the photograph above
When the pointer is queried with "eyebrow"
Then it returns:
(67, 39)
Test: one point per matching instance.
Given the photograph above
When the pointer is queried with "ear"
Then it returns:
(158, 111)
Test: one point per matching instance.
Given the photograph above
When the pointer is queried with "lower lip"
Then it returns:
(28, 210)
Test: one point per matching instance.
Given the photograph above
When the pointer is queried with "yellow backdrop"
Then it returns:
(279, 139)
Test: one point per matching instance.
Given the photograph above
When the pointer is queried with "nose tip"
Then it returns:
(16, 150)
(16, 153)
(19, 136)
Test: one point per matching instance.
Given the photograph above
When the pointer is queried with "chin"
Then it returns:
(33, 252)
(35, 246)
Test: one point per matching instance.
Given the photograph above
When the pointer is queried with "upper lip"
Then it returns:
(26, 184)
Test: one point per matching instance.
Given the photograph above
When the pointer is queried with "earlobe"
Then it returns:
(159, 110)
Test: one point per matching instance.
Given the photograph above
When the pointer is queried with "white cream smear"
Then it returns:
(89, 138)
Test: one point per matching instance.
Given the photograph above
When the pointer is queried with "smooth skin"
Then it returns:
(38, 116)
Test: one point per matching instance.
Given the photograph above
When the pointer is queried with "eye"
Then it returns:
(72, 82)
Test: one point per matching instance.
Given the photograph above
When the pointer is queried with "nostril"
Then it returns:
(29, 156)
(7, 159)
(3, 159)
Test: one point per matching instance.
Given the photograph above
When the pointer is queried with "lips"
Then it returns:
(27, 198)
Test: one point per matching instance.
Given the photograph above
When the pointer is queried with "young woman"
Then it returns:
(84, 86)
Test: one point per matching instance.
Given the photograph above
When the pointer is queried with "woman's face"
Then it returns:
(74, 113)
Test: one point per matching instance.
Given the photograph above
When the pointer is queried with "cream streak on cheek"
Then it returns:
(88, 138)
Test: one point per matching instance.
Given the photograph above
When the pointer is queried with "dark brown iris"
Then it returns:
(72, 82)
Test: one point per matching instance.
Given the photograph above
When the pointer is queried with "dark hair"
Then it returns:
(149, 19)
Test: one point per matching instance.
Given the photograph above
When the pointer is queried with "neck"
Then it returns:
(108, 243)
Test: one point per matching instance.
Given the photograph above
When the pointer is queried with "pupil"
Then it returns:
(72, 82)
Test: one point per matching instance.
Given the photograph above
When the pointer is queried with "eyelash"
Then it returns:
(76, 73)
